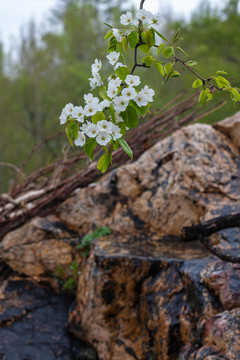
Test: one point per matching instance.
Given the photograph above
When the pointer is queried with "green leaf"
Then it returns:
(98, 117)
(124, 43)
(219, 72)
(160, 68)
(204, 97)
(182, 51)
(112, 44)
(197, 83)
(122, 72)
(124, 145)
(132, 39)
(158, 33)
(69, 137)
(108, 25)
(192, 63)
(112, 112)
(104, 162)
(108, 35)
(168, 51)
(221, 81)
(168, 68)
(130, 117)
(147, 60)
(160, 48)
(103, 93)
(235, 94)
(89, 148)
(175, 74)
(144, 48)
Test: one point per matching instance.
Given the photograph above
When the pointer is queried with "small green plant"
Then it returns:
(86, 241)
(72, 277)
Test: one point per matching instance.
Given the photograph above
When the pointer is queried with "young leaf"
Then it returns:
(124, 145)
(158, 33)
(124, 43)
(103, 93)
(112, 112)
(160, 48)
(89, 148)
(221, 82)
(122, 72)
(104, 162)
(182, 51)
(168, 51)
(132, 39)
(147, 60)
(192, 63)
(197, 83)
(175, 74)
(160, 68)
(108, 35)
(144, 48)
(168, 68)
(98, 117)
(130, 117)
(69, 137)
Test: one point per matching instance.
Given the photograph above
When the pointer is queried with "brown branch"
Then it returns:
(141, 4)
(196, 74)
(209, 227)
(203, 230)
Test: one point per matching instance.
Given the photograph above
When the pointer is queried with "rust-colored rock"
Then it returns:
(188, 177)
(38, 247)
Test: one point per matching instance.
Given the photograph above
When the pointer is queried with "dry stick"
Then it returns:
(29, 157)
(203, 230)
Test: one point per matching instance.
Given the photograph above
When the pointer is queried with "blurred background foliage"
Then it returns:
(50, 67)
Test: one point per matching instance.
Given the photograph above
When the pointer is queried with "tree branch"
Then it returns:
(196, 74)
(141, 4)
(203, 230)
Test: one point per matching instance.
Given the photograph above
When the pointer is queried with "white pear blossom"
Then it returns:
(129, 93)
(90, 99)
(84, 126)
(103, 138)
(117, 35)
(118, 65)
(92, 130)
(112, 91)
(120, 103)
(103, 104)
(115, 82)
(80, 140)
(157, 19)
(113, 57)
(66, 111)
(133, 80)
(95, 81)
(105, 125)
(144, 15)
(126, 19)
(149, 92)
(141, 99)
(90, 109)
(116, 132)
(78, 113)
(118, 117)
(63, 116)
(96, 66)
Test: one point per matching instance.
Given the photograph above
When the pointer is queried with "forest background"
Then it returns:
(50, 68)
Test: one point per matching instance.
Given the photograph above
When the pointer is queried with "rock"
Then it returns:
(143, 293)
(38, 247)
(140, 298)
(33, 323)
(188, 177)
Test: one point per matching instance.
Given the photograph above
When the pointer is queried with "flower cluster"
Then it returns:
(105, 122)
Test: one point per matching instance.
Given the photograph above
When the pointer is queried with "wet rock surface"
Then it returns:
(167, 305)
(33, 324)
